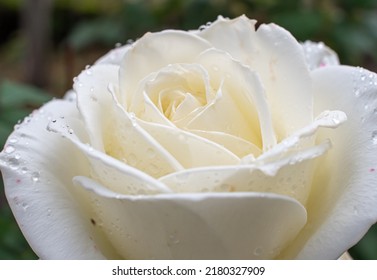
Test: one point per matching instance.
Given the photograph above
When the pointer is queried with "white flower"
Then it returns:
(221, 143)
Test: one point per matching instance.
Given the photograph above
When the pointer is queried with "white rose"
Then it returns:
(221, 143)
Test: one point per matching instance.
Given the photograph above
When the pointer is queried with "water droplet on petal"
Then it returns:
(88, 71)
(9, 149)
(258, 251)
(35, 176)
(13, 163)
(13, 140)
(374, 137)
(25, 206)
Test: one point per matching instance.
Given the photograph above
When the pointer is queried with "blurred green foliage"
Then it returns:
(348, 26)
(16, 102)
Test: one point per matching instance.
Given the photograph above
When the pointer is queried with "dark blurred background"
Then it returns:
(45, 43)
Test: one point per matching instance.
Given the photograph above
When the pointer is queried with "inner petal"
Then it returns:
(189, 149)
(240, 107)
(176, 85)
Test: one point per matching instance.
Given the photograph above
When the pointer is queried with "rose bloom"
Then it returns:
(227, 142)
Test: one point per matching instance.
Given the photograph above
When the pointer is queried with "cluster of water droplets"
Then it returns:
(318, 55)
(15, 161)
(205, 26)
(365, 89)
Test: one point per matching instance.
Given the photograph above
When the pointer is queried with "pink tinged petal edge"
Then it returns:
(319, 55)
(343, 202)
(37, 167)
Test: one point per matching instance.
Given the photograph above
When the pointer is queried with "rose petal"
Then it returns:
(114, 174)
(94, 98)
(37, 168)
(279, 61)
(240, 107)
(318, 55)
(236, 145)
(112, 130)
(290, 175)
(305, 137)
(154, 51)
(187, 83)
(343, 204)
(189, 149)
(114, 56)
(197, 226)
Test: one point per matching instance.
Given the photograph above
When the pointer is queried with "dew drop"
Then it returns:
(258, 251)
(25, 206)
(362, 77)
(9, 149)
(35, 176)
(13, 140)
(173, 240)
(24, 170)
(374, 137)
(13, 163)
(48, 212)
(70, 131)
(89, 72)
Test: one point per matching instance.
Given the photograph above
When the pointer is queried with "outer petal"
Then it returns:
(114, 174)
(197, 226)
(318, 55)
(114, 56)
(279, 60)
(37, 168)
(343, 203)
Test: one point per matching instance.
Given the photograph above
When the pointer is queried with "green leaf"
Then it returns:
(102, 30)
(19, 95)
